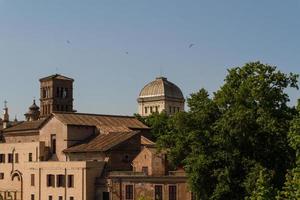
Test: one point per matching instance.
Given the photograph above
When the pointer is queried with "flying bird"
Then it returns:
(68, 42)
(126, 52)
(191, 45)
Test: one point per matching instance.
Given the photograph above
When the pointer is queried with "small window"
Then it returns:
(145, 170)
(2, 158)
(170, 109)
(156, 108)
(151, 109)
(50, 181)
(16, 158)
(174, 109)
(71, 198)
(50, 197)
(172, 192)
(32, 197)
(10, 158)
(60, 198)
(158, 192)
(70, 181)
(60, 180)
(32, 179)
(53, 143)
(146, 110)
(30, 157)
(129, 192)
(1, 176)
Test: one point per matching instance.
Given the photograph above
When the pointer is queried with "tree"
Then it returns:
(263, 188)
(221, 139)
(291, 189)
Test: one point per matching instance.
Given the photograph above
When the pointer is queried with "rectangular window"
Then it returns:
(50, 180)
(158, 192)
(170, 109)
(2, 158)
(30, 157)
(146, 110)
(129, 192)
(16, 158)
(60, 198)
(71, 198)
(32, 197)
(70, 181)
(57, 92)
(32, 179)
(53, 143)
(172, 192)
(10, 158)
(1, 176)
(151, 109)
(60, 181)
(145, 170)
(50, 197)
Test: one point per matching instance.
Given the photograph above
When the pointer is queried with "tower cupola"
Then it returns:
(33, 112)
(5, 115)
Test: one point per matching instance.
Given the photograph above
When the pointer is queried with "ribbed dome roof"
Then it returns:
(33, 109)
(161, 87)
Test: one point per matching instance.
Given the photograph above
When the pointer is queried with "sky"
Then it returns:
(112, 48)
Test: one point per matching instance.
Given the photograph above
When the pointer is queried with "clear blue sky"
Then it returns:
(156, 35)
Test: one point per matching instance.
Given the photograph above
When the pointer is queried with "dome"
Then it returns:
(33, 112)
(34, 107)
(161, 87)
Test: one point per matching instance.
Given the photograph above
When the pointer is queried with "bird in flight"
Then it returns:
(126, 52)
(191, 45)
(68, 42)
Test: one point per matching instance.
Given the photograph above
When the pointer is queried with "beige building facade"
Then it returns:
(65, 155)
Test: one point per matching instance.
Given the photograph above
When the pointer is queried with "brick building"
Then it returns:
(59, 154)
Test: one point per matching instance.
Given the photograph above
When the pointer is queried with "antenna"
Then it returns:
(56, 70)
(5, 104)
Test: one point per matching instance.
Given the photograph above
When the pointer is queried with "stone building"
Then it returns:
(160, 95)
(59, 154)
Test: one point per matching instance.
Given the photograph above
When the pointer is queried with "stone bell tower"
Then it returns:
(56, 94)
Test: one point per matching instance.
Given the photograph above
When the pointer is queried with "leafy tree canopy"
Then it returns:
(236, 143)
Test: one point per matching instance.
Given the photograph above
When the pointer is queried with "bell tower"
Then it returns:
(56, 94)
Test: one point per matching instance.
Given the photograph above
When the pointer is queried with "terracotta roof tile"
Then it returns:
(106, 123)
(26, 125)
(56, 76)
(102, 142)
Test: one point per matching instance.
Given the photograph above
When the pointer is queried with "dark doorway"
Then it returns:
(105, 195)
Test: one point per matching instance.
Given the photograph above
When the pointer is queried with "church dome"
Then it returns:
(161, 87)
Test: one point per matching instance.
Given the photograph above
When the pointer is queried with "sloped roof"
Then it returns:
(26, 125)
(102, 142)
(106, 123)
(56, 76)
(145, 141)
(161, 87)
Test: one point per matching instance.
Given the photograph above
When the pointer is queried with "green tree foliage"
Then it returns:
(221, 141)
(291, 189)
(263, 189)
